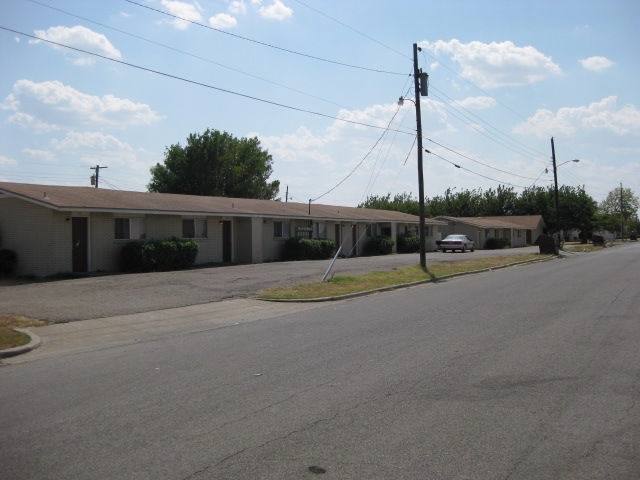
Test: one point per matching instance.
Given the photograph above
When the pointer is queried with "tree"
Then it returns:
(216, 164)
(620, 206)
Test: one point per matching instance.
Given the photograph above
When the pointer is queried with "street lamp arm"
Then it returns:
(575, 160)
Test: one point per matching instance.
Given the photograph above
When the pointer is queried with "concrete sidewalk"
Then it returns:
(96, 334)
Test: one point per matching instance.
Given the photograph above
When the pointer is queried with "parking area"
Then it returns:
(123, 294)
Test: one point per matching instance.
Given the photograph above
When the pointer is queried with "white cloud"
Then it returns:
(54, 104)
(276, 11)
(186, 11)
(476, 103)
(44, 155)
(596, 64)
(238, 7)
(7, 161)
(95, 147)
(603, 115)
(80, 37)
(222, 21)
(492, 65)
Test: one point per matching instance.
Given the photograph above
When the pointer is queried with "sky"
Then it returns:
(87, 82)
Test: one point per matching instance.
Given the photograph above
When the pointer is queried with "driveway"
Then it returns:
(124, 294)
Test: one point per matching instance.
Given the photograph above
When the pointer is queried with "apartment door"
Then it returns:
(79, 239)
(226, 241)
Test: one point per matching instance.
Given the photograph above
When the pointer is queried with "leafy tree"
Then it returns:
(217, 164)
(577, 209)
(620, 206)
(401, 202)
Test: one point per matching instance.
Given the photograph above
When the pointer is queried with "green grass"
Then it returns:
(349, 284)
(10, 338)
(581, 247)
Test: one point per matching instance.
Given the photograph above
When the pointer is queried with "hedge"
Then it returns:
(158, 255)
(408, 243)
(497, 243)
(380, 245)
(296, 248)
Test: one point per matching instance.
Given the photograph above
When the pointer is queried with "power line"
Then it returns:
(474, 173)
(183, 52)
(361, 161)
(201, 84)
(264, 44)
(478, 161)
(340, 22)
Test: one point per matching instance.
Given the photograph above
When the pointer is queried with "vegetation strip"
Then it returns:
(349, 285)
(9, 337)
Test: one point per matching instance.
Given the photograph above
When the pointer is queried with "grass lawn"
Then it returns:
(347, 284)
(581, 247)
(9, 338)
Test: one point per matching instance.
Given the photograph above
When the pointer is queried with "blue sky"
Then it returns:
(318, 82)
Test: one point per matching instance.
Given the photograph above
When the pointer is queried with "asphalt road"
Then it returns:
(524, 373)
(109, 295)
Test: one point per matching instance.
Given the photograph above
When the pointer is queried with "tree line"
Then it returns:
(578, 210)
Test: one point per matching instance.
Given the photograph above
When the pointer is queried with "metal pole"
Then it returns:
(416, 78)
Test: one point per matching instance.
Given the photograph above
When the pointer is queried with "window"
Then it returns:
(129, 228)
(194, 228)
(281, 229)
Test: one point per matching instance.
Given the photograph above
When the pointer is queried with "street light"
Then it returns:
(555, 182)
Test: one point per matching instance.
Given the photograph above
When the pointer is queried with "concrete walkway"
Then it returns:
(121, 310)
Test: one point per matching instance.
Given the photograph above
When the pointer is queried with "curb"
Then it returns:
(401, 285)
(33, 344)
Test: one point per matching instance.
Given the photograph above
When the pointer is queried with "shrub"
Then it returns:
(158, 255)
(408, 243)
(296, 248)
(598, 240)
(497, 243)
(380, 245)
(8, 261)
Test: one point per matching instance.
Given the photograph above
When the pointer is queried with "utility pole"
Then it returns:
(555, 182)
(417, 77)
(621, 215)
(96, 178)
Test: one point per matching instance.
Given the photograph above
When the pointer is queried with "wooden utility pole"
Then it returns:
(96, 178)
(555, 183)
(416, 78)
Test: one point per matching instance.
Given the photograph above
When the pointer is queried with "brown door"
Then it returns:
(354, 240)
(79, 234)
(226, 241)
(337, 235)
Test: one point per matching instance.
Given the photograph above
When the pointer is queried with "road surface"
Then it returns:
(525, 373)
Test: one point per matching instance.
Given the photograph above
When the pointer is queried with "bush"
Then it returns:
(598, 240)
(8, 261)
(497, 243)
(408, 243)
(296, 248)
(158, 255)
(380, 245)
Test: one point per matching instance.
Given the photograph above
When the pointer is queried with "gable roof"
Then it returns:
(89, 199)
(526, 222)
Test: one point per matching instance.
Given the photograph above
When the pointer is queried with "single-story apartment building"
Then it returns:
(520, 230)
(59, 229)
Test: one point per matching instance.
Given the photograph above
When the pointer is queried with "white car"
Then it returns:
(456, 242)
